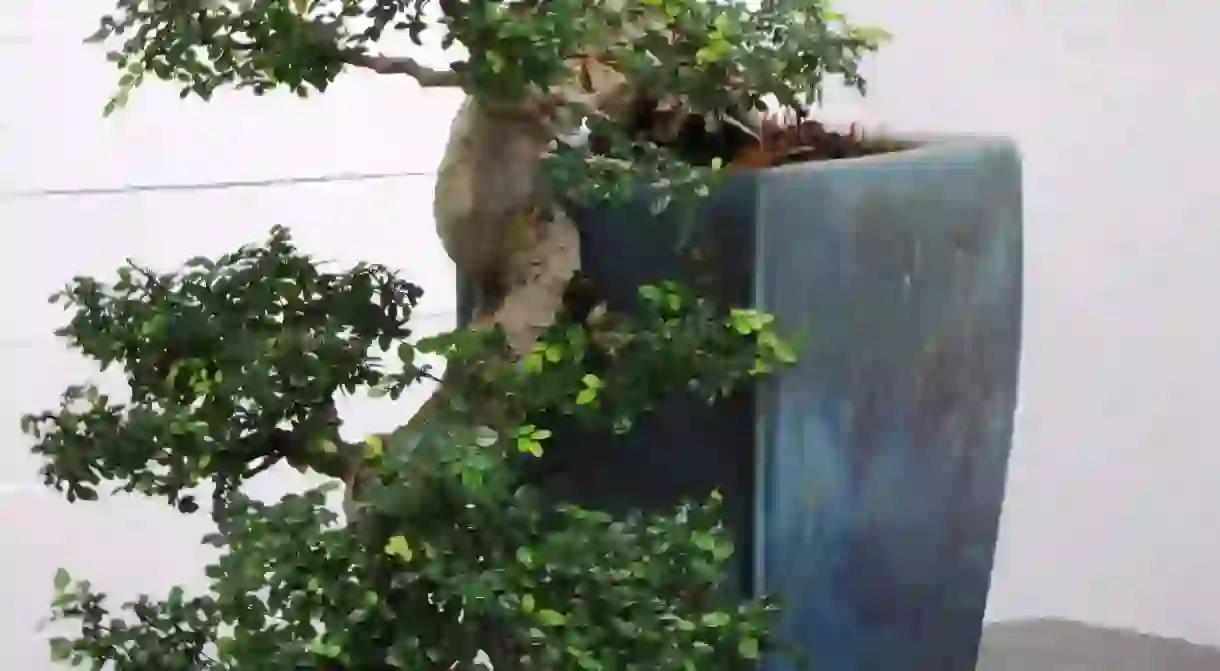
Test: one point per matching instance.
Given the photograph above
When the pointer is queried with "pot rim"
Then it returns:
(912, 146)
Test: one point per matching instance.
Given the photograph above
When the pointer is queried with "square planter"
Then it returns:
(865, 483)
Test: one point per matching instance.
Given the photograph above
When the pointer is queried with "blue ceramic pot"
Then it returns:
(865, 484)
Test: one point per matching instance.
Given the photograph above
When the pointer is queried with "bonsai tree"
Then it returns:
(447, 555)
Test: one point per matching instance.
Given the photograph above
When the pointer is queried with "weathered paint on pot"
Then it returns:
(883, 454)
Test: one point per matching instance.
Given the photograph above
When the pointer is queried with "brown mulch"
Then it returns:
(794, 138)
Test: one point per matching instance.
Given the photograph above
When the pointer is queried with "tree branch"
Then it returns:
(292, 446)
(267, 462)
(404, 65)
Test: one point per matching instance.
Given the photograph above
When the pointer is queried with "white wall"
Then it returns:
(1114, 480)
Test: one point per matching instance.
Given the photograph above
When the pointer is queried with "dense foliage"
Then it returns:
(712, 54)
(233, 365)
(448, 556)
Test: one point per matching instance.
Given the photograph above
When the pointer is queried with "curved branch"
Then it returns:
(405, 65)
(293, 447)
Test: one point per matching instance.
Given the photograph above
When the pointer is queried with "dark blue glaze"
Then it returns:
(883, 454)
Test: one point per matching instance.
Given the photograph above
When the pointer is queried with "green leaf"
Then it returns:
(527, 603)
(782, 351)
(61, 649)
(586, 396)
(399, 547)
(748, 648)
(525, 556)
(591, 381)
(551, 618)
(870, 35)
(529, 446)
(406, 354)
(532, 363)
(374, 446)
(716, 619)
(325, 649)
(62, 579)
(495, 61)
(485, 436)
(473, 478)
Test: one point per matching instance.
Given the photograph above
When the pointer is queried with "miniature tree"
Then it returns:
(448, 555)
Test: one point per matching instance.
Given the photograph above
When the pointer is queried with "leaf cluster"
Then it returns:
(497, 580)
(713, 55)
(707, 49)
(233, 364)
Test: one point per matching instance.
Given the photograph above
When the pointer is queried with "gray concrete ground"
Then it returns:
(1062, 645)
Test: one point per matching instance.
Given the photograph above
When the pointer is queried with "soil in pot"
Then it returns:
(797, 138)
